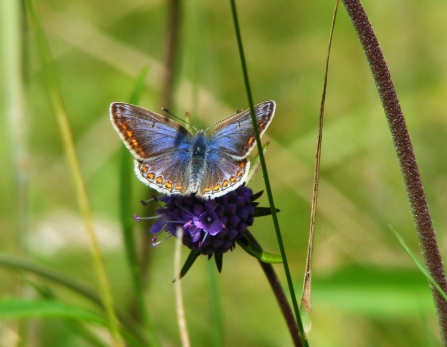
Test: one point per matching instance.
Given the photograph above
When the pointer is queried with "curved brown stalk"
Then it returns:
(405, 155)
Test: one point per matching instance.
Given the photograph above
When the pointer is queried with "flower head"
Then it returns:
(209, 226)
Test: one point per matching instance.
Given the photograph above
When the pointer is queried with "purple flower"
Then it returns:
(209, 226)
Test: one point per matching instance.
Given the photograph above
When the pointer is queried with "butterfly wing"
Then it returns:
(228, 146)
(236, 137)
(161, 147)
(222, 174)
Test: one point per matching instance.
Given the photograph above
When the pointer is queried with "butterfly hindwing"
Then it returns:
(168, 173)
(223, 174)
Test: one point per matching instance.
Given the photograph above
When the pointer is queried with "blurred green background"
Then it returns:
(366, 291)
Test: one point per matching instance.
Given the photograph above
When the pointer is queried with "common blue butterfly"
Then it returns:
(171, 160)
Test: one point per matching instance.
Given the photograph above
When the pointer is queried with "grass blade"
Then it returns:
(25, 308)
(419, 265)
(266, 178)
(71, 157)
(77, 286)
(127, 222)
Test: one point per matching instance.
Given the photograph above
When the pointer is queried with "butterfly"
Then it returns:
(172, 160)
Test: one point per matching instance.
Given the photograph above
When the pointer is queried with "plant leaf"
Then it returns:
(24, 308)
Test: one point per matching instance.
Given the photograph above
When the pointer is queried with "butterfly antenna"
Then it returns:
(223, 120)
(180, 119)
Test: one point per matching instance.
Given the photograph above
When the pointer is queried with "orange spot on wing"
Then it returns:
(159, 180)
(251, 140)
(168, 185)
(151, 175)
(178, 187)
(225, 183)
(233, 179)
(216, 187)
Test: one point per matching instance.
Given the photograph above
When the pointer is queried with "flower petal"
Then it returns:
(215, 227)
(158, 225)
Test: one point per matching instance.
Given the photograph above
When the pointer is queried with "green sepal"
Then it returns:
(263, 211)
(258, 253)
(188, 263)
(218, 257)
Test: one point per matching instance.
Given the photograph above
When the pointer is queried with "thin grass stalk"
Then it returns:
(405, 156)
(216, 308)
(12, 39)
(265, 174)
(138, 303)
(12, 52)
(73, 164)
(180, 309)
(172, 49)
(306, 301)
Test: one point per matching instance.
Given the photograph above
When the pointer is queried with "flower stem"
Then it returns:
(405, 155)
(279, 294)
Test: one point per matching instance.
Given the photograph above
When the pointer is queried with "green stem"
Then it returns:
(266, 178)
(216, 308)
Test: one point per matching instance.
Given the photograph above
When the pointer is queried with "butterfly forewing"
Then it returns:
(236, 136)
(148, 134)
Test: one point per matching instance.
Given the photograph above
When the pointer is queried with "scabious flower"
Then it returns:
(209, 226)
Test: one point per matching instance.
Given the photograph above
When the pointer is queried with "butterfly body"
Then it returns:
(171, 160)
